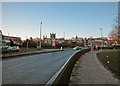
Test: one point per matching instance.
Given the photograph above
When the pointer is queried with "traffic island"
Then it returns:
(17, 54)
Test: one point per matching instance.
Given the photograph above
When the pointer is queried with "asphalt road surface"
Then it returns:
(34, 69)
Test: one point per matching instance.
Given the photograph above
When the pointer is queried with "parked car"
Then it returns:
(77, 48)
(6, 49)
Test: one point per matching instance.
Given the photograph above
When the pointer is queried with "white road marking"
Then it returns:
(16, 65)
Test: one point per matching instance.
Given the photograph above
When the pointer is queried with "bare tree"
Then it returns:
(113, 35)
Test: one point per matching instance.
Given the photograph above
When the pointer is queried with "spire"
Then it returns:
(76, 37)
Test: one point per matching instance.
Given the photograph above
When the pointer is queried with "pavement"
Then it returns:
(88, 70)
(33, 69)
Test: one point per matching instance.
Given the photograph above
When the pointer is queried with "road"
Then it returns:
(34, 69)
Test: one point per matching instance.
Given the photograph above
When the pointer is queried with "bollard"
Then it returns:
(61, 48)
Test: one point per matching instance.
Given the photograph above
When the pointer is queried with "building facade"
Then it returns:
(15, 39)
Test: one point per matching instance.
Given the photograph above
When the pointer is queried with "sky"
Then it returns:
(83, 19)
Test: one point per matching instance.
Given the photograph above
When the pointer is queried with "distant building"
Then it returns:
(77, 40)
(50, 40)
(113, 42)
(53, 39)
(60, 40)
(46, 40)
(97, 41)
(52, 35)
(15, 39)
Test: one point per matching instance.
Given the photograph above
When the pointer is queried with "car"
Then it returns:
(6, 49)
(77, 48)
(16, 48)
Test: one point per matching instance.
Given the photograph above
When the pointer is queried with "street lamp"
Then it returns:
(101, 32)
(101, 37)
(64, 35)
(40, 32)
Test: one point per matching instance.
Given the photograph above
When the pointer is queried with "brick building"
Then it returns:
(15, 39)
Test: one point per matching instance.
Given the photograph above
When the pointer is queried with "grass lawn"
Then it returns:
(110, 59)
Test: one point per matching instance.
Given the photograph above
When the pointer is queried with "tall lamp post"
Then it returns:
(64, 35)
(40, 32)
(101, 36)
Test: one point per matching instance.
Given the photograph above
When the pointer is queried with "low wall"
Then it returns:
(62, 77)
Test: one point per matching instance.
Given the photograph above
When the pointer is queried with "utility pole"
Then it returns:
(40, 32)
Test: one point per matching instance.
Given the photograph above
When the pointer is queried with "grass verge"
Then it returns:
(110, 59)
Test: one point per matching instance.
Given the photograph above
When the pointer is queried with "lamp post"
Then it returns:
(101, 37)
(64, 35)
(101, 32)
(40, 32)
(8, 37)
